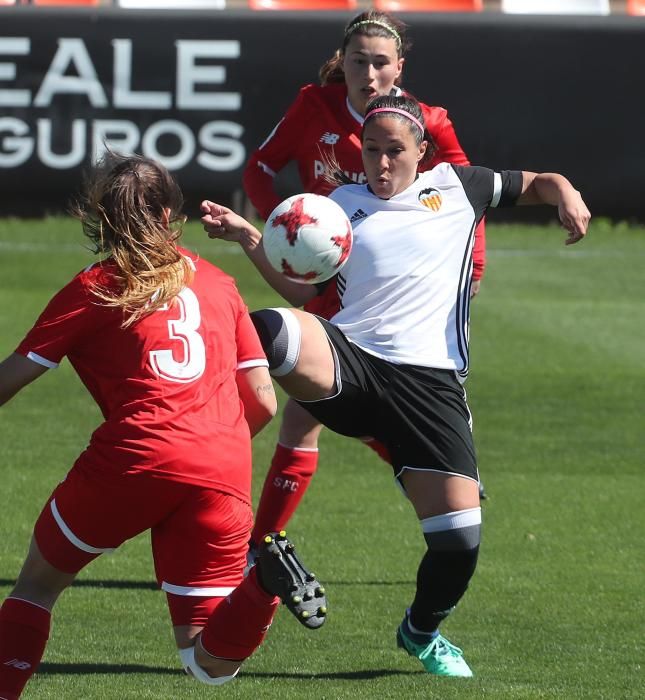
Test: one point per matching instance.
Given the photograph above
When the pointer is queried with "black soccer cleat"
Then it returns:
(283, 574)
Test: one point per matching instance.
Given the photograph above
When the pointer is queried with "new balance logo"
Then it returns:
(357, 216)
(330, 138)
(17, 663)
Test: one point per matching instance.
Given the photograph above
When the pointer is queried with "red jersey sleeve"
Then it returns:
(273, 155)
(69, 315)
(249, 347)
(449, 150)
(441, 129)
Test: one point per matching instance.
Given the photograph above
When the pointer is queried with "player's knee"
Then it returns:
(193, 669)
(459, 531)
(280, 335)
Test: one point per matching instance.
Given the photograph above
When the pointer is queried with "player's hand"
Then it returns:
(475, 286)
(221, 222)
(574, 216)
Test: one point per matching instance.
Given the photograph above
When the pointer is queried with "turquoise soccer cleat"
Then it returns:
(437, 655)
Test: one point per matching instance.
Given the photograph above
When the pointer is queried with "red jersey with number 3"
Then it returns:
(165, 385)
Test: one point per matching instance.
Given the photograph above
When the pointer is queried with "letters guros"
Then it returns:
(182, 114)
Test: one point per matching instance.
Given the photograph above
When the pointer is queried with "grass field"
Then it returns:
(556, 608)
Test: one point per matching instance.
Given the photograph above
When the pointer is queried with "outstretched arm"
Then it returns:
(15, 373)
(554, 189)
(222, 222)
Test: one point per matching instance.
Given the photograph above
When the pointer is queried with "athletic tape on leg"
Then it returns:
(193, 668)
(280, 335)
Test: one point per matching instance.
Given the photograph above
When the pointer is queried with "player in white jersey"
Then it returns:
(421, 251)
(390, 364)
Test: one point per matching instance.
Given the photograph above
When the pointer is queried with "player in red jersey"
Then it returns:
(165, 345)
(325, 123)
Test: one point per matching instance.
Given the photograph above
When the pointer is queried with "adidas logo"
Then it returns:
(357, 216)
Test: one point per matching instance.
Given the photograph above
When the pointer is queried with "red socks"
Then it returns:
(289, 476)
(238, 624)
(24, 630)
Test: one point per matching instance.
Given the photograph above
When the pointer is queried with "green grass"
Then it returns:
(557, 391)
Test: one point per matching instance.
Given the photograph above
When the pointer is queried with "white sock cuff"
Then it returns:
(29, 602)
(298, 449)
(194, 669)
(452, 521)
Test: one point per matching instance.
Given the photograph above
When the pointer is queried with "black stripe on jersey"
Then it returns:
(479, 186)
(341, 283)
(463, 301)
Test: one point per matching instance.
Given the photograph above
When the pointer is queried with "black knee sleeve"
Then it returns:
(279, 332)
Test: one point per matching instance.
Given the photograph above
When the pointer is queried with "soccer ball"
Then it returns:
(307, 238)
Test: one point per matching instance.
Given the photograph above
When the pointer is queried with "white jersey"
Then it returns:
(405, 290)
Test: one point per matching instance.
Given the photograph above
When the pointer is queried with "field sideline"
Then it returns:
(557, 389)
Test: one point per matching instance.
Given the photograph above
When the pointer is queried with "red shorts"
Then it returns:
(199, 536)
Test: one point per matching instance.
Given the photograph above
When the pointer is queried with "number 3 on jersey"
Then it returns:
(183, 329)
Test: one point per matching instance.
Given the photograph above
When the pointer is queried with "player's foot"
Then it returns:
(436, 653)
(281, 573)
(482, 492)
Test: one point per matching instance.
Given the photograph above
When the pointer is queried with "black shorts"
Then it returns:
(419, 413)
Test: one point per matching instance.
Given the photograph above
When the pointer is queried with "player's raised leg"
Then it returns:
(238, 624)
(300, 357)
(219, 617)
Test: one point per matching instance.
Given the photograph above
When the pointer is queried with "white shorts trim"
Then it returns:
(72, 537)
(39, 359)
(436, 471)
(337, 375)
(206, 592)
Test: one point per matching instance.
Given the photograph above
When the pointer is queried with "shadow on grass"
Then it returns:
(152, 586)
(51, 669)
(97, 583)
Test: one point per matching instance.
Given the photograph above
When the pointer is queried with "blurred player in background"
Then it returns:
(391, 363)
(326, 120)
(164, 344)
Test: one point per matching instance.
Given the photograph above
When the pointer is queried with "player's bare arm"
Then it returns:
(258, 396)
(220, 222)
(555, 189)
(15, 373)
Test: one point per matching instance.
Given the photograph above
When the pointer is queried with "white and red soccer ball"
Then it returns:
(308, 238)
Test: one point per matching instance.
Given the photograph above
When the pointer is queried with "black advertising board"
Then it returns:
(199, 90)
